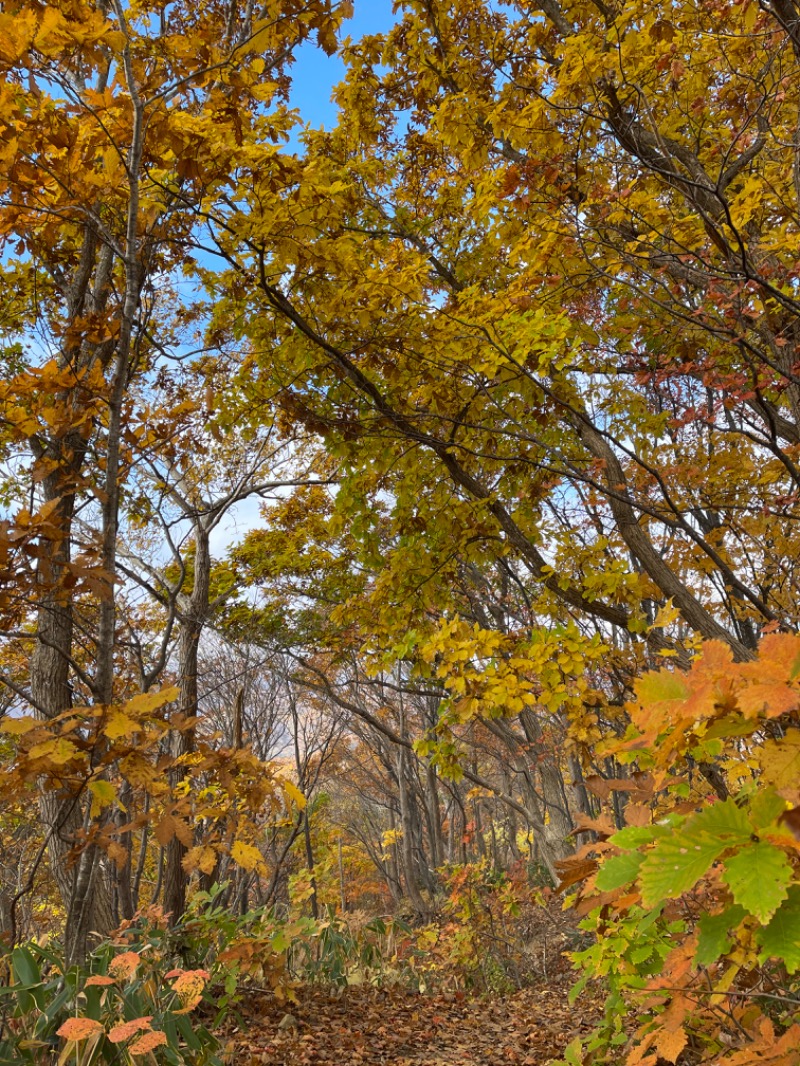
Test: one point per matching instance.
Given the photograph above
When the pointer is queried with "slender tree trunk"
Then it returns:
(434, 818)
(194, 613)
(407, 839)
(175, 877)
(123, 878)
(395, 851)
(582, 800)
(310, 864)
(342, 892)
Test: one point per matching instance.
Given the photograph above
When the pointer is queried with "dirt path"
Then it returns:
(393, 1027)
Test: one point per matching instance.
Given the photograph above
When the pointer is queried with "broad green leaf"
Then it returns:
(619, 870)
(676, 864)
(714, 939)
(723, 820)
(633, 836)
(766, 807)
(758, 877)
(733, 725)
(25, 967)
(781, 938)
(187, 1032)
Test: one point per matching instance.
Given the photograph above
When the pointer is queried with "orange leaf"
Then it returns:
(670, 1043)
(128, 1029)
(170, 827)
(189, 987)
(124, 965)
(147, 1043)
(79, 1028)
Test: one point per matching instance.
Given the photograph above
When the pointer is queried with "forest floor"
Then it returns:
(395, 1027)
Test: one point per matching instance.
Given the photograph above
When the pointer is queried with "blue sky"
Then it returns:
(314, 74)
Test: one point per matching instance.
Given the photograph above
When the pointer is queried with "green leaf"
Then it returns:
(676, 864)
(758, 877)
(661, 686)
(735, 725)
(25, 968)
(27, 988)
(714, 939)
(618, 871)
(573, 1052)
(766, 807)
(187, 1031)
(781, 938)
(577, 988)
(641, 954)
(633, 836)
(724, 820)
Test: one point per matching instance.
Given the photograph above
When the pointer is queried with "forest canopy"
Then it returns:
(507, 363)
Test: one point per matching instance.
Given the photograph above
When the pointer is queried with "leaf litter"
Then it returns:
(393, 1026)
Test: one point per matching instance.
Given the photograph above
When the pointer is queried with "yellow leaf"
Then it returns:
(103, 795)
(666, 616)
(120, 725)
(201, 858)
(57, 751)
(780, 764)
(51, 32)
(294, 794)
(147, 702)
(17, 726)
(246, 856)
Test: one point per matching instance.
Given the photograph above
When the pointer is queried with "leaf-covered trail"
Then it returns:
(394, 1027)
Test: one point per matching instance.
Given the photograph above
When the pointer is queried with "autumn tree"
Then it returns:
(539, 301)
(119, 122)
(541, 304)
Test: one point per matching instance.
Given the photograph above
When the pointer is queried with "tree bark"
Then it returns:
(193, 616)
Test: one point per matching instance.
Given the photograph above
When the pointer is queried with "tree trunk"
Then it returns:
(84, 891)
(407, 839)
(193, 616)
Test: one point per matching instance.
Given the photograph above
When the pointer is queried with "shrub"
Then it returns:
(695, 903)
(128, 1000)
